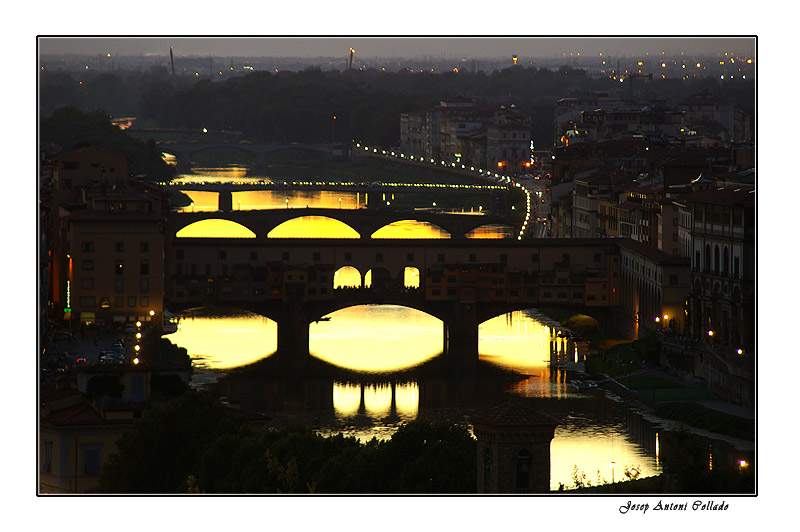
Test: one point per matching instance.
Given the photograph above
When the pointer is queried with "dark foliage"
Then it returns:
(195, 444)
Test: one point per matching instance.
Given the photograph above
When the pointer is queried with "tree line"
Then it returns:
(299, 106)
(195, 444)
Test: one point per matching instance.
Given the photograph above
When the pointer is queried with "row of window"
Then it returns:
(379, 257)
(119, 266)
(87, 283)
(119, 302)
(87, 246)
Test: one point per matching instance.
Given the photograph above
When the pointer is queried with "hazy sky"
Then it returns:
(471, 47)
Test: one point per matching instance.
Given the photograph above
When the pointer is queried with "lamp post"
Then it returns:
(333, 130)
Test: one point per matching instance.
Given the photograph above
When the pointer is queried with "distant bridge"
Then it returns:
(184, 152)
(364, 221)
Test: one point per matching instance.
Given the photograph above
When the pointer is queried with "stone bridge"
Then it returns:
(363, 221)
(462, 282)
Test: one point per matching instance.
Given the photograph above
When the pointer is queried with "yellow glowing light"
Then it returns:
(313, 227)
(403, 337)
(410, 229)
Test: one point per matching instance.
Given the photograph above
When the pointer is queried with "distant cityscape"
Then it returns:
(722, 65)
(621, 193)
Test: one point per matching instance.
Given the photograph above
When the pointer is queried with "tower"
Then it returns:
(513, 449)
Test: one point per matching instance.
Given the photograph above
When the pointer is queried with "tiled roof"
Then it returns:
(82, 414)
(512, 414)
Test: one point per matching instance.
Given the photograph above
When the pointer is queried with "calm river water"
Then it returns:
(372, 340)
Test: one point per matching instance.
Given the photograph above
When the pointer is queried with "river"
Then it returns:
(371, 341)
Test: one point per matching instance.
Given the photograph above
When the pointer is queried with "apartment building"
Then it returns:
(722, 296)
(114, 267)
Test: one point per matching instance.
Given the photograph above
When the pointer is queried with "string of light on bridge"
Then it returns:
(506, 180)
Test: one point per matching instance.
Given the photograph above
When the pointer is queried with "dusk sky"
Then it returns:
(474, 47)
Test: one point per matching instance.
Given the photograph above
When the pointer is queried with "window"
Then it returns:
(144, 301)
(487, 470)
(523, 470)
(223, 255)
(87, 247)
(254, 255)
(119, 268)
(91, 460)
(119, 285)
(119, 301)
(144, 246)
(48, 456)
(87, 265)
(473, 257)
(87, 283)
(144, 285)
(131, 301)
(144, 267)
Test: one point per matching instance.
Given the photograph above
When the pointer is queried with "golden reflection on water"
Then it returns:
(223, 342)
(376, 338)
(313, 227)
(593, 448)
(410, 229)
(206, 201)
(491, 231)
(376, 400)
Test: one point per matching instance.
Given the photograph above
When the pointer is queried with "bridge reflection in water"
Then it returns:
(592, 433)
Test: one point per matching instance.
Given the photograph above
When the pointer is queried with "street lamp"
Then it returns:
(612, 464)
(333, 126)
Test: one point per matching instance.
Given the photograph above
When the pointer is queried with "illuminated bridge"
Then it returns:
(461, 281)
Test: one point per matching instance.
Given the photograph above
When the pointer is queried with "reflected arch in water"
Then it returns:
(313, 227)
(215, 228)
(410, 229)
(347, 277)
(491, 231)
(397, 338)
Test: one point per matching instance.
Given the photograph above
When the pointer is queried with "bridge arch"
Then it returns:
(313, 227)
(215, 228)
(347, 277)
(409, 228)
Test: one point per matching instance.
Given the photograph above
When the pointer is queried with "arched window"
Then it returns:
(523, 469)
(716, 259)
(707, 262)
(725, 261)
(487, 470)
